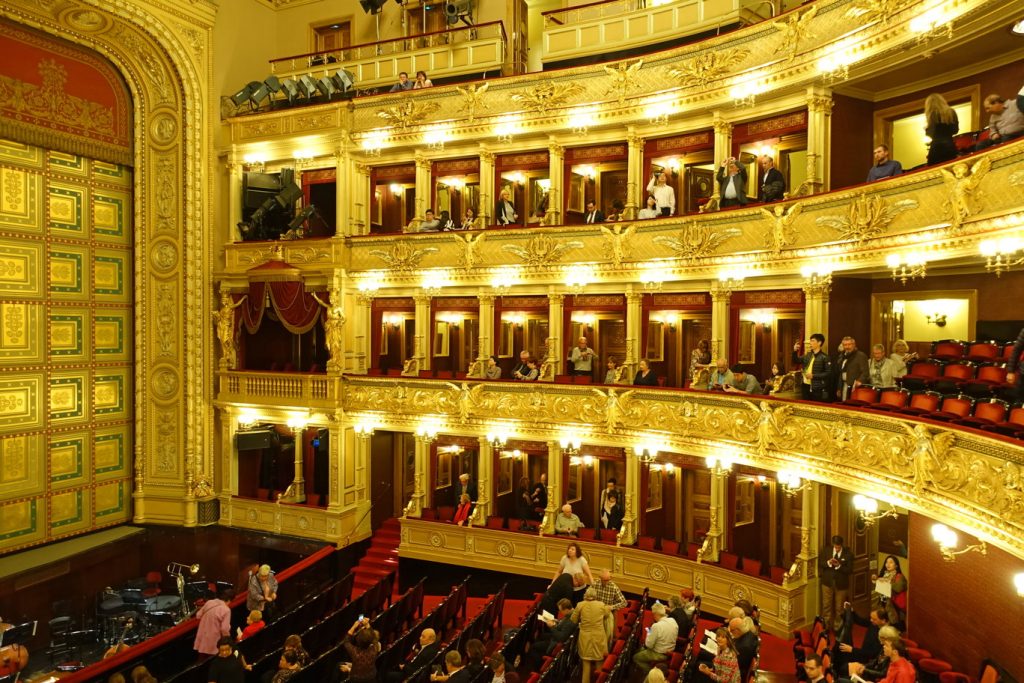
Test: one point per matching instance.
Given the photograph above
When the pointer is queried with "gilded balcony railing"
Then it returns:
(280, 388)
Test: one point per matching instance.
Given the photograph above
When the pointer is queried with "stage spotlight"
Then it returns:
(454, 11)
(326, 87)
(273, 84)
(307, 86)
(261, 93)
(343, 80)
(242, 96)
(290, 89)
(289, 195)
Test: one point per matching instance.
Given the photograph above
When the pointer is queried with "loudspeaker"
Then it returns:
(253, 441)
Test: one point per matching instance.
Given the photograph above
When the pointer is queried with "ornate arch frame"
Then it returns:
(162, 50)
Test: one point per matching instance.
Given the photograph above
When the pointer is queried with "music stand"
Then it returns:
(76, 639)
(18, 635)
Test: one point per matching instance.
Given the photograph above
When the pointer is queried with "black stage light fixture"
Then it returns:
(372, 6)
(242, 96)
(273, 83)
(261, 93)
(343, 80)
(454, 11)
(289, 195)
(291, 89)
(307, 86)
(326, 87)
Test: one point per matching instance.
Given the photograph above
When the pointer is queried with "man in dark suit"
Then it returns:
(467, 486)
(772, 186)
(870, 646)
(593, 214)
(559, 631)
(851, 369)
(744, 637)
(423, 654)
(522, 367)
(835, 563)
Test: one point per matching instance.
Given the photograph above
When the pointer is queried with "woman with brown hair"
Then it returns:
(727, 666)
(574, 562)
(941, 125)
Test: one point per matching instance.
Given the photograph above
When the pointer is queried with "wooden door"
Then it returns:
(385, 471)
(700, 184)
(333, 36)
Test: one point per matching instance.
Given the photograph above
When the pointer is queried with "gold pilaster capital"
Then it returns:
(486, 157)
(485, 298)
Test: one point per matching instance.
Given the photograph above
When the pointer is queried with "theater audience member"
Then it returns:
(732, 183)
(773, 380)
(660, 642)
(655, 676)
(650, 209)
(227, 667)
(501, 673)
(262, 592)
(467, 486)
(403, 83)
(362, 645)
(422, 655)
(744, 639)
(610, 487)
(1005, 122)
(593, 214)
(422, 81)
(524, 505)
(609, 375)
(615, 213)
(881, 369)
(742, 382)
(474, 660)
(814, 668)
(772, 185)
(835, 563)
(505, 211)
(469, 220)
(560, 589)
(940, 125)
(140, 674)
(454, 671)
(520, 369)
(214, 623)
(462, 512)
(901, 670)
(817, 369)
(493, 370)
(566, 522)
(663, 193)
(531, 373)
(851, 368)
(287, 667)
(726, 665)
(116, 678)
(611, 512)
(682, 608)
(884, 166)
(896, 604)
(1013, 364)
(592, 644)
(722, 376)
(559, 631)
(582, 358)
(901, 356)
(608, 591)
(254, 624)
(573, 562)
(429, 223)
(539, 496)
(870, 646)
(294, 643)
(878, 667)
(644, 375)
(446, 222)
(700, 356)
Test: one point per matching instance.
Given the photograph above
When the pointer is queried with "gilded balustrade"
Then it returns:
(783, 608)
(300, 390)
(967, 479)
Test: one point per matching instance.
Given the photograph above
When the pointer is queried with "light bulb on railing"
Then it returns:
(944, 536)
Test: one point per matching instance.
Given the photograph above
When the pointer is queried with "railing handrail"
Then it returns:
(562, 10)
(306, 55)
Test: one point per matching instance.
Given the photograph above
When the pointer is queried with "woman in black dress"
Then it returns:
(940, 125)
(645, 376)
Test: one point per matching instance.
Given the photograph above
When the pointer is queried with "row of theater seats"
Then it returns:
(821, 640)
(993, 415)
(665, 546)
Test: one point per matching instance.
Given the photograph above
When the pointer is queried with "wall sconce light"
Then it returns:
(948, 541)
(646, 453)
(937, 319)
(580, 120)
(732, 279)
(577, 278)
(247, 419)
(515, 177)
(373, 142)
(570, 444)
(516, 319)
(931, 24)
(793, 483)
(999, 254)
(835, 66)
(1018, 579)
(658, 110)
(504, 280)
(514, 454)
(497, 440)
(396, 189)
(367, 287)
(434, 282)
(506, 128)
(392, 320)
(744, 93)
(817, 276)
(435, 137)
(364, 429)
(588, 172)
(452, 448)
(913, 265)
(254, 162)
(428, 429)
(303, 158)
(719, 465)
(762, 481)
(544, 184)
(867, 510)
(297, 422)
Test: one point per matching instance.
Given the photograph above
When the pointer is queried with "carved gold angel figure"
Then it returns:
(781, 233)
(769, 422)
(622, 78)
(334, 328)
(928, 454)
(225, 319)
(616, 241)
(963, 189)
(794, 30)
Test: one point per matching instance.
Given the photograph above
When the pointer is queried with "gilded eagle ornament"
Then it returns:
(710, 66)
(795, 29)
(623, 78)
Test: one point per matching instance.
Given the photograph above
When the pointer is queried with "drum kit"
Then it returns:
(147, 615)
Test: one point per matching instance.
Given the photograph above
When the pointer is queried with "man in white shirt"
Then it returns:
(1006, 121)
(661, 640)
(663, 193)
(567, 522)
(582, 358)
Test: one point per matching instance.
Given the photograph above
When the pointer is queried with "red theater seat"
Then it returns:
(953, 408)
(669, 547)
(989, 413)
(953, 375)
(947, 349)
(891, 399)
(920, 373)
(922, 403)
(862, 396)
(1013, 425)
(982, 351)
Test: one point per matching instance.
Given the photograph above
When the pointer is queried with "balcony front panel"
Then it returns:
(782, 608)
(958, 476)
(298, 390)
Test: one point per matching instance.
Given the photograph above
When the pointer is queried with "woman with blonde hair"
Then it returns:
(941, 125)
(901, 355)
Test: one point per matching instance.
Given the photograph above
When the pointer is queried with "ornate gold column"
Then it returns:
(487, 195)
(804, 570)
(485, 344)
(553, 362)
(714, 543)
(484, 477)
(816, 295)
(234, 193)
(296, 491)
(634, 173)
(359, 216)
(342, 188)
(819, 138)
(634, 330)
(723, 138)
(631, 492)
(556, 161)
(421, 359)
(363, 331)
(424, 192)
(421, 491)
(337, 433)
(720, 298)
(554, 487)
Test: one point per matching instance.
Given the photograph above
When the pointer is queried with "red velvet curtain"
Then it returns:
(296, 308)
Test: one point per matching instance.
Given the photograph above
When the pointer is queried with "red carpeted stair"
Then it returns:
(380, 559)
